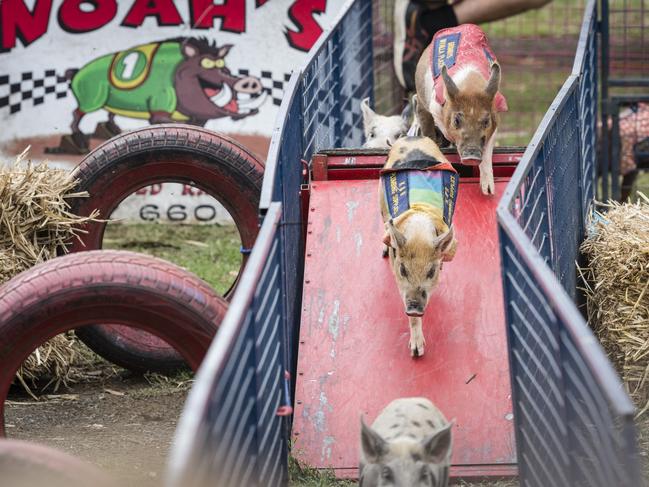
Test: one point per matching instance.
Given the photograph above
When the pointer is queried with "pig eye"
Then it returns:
(431, 273)
(457, 120)
(425, 476)
(485, 123)
(208, 63)
(219, 63)
(402, 269)
(387, 475)
(372, 134)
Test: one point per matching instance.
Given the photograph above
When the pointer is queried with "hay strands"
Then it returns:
(35, 222)
(617, 291)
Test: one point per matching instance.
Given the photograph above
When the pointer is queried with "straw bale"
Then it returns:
(35, 222)
(617, 289)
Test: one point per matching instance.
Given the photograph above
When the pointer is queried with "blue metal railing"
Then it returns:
(574, 421)
(585, 68)
(230, 433)
(320, 109)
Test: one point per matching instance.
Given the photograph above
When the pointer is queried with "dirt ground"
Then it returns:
(120, 422)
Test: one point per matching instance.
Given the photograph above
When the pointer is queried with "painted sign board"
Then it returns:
(74, 73)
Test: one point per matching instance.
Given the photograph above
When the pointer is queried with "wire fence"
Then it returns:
(625, 85)
(536, 50)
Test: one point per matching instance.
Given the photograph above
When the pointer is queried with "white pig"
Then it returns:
(408, 445)
(381, 131)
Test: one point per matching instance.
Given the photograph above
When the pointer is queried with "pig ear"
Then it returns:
(451, 87)
(494, 81)
(368, 113)
(501, 103)
(445, 243)
(437, 447)
(224, 50)
(395, 235)
(386, 239)
(374, 447)
(189, 50)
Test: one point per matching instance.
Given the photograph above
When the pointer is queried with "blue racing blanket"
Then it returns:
(409, 184)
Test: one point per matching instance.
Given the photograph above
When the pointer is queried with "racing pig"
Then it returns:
(417, 193)
(183, 80)
(380, 130)
(409, 444)
(457, 81)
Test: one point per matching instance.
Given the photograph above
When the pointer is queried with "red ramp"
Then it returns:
(353, 355)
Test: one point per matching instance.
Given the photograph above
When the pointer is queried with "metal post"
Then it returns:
(604, 154)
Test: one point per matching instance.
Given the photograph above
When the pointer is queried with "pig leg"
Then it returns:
(486, 170)
(78, 138)
(426, 122)
(111, 125)
(160, 117)
(417, 341)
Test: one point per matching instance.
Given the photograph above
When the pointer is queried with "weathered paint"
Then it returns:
(367, 362)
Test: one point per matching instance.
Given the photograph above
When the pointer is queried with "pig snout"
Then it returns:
(248, 84)
(471, 154)
(416, 303)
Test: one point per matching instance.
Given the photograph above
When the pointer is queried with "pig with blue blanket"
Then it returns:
(417, 193)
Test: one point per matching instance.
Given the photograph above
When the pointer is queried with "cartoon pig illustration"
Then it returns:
(177, 80)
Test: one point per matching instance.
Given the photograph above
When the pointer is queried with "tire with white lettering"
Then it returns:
(107, 286)
(178, 153)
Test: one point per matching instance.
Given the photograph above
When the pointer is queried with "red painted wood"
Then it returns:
(353, 356)
(357, 158)
(358, 165)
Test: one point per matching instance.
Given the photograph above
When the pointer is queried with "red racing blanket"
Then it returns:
(458, 47)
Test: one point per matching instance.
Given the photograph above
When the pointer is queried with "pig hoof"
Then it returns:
(488, 188)
(417, 349)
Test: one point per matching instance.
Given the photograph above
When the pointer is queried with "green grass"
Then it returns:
(209, 251)
(535, 22)
(529, 98)
(543, 22)
(641, 184)
(304, 476)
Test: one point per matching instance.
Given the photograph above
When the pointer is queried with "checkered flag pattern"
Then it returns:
(274, 87)
(32, 89)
